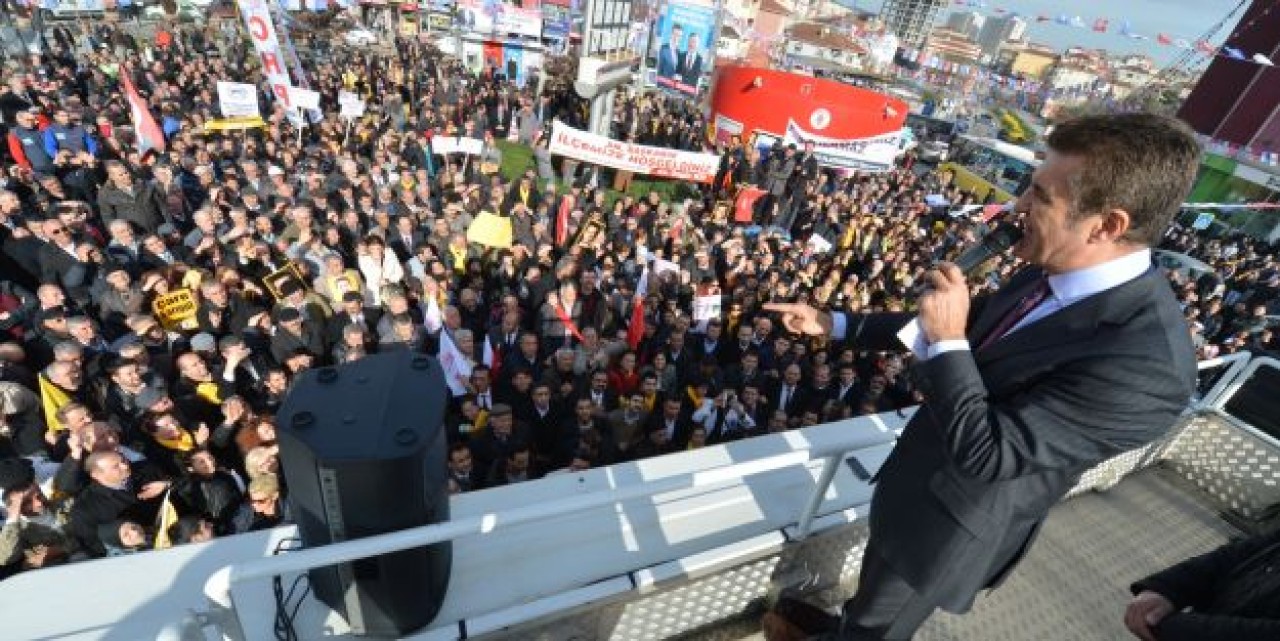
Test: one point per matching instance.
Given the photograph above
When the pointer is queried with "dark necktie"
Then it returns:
(1029, 302)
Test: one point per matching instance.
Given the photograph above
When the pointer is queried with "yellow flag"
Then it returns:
(52, 398)
(164, 520)
(209, 392)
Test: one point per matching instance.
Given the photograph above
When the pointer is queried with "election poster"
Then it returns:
(176, 310)
(686, 33)
(237, 99)
(641, 159)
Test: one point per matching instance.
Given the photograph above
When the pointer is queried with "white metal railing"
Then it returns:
(1235, 364)
(219, 587)
(1217, 404)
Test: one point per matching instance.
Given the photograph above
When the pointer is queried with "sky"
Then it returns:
(1187, 19)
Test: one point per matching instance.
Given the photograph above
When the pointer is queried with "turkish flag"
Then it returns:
(1163, 39)
(144, 124)
(635, 329)
(744, 208)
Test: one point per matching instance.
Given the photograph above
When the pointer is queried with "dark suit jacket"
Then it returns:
(1231, 593)
(1005, 432)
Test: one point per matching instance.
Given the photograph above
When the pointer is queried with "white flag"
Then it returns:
(456, 366)
(433, 320)
(489, 356)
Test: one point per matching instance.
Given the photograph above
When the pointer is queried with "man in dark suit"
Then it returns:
(790, 395)
(405, 238)
(353, 312)
(670, 57)
(674, 421)
(1081, 356)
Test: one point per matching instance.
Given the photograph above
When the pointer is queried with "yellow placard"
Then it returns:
(176, 310)
(232, 124)
(490, 230)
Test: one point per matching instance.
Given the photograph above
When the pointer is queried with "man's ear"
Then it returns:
(1112, 226)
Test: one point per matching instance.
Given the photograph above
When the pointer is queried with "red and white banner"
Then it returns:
(641, 159)
(262, 31)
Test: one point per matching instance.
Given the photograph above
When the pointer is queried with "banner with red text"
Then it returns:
(262, 31)
(641, 159)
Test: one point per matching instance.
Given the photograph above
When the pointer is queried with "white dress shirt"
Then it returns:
(1065, 289)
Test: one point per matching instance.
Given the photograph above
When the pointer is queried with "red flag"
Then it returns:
(1203, 46)
(1100, 25)
(144, 124)
(676, 230)
(493, 358)
(744, 208)
(562, 219)
(635, 329)
(1163, 39)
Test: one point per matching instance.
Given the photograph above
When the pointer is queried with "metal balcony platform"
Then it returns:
(1073, 585)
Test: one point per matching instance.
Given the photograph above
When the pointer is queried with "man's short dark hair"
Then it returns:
(1142, 163)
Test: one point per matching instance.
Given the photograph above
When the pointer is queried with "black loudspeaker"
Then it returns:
(363, 451)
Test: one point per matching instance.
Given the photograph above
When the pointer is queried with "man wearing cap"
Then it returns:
(308, 304)
(294, 332)
(503, 436)
(120, 298)
(31, 537)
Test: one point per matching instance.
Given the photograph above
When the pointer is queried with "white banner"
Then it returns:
(237, 99)
(262, 31)
(457, 368)
(641, 159)
(863, 154)
(304, 98)
(352, 110)
(348, 98)
(706, 308)
(457, 145)
(661, 266)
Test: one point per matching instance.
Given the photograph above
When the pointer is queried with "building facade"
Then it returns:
(967, 22)
(911, 20)
(997, 31)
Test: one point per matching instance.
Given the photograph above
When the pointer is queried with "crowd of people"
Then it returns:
(156, 308)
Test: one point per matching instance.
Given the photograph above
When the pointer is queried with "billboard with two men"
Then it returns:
(686, 35)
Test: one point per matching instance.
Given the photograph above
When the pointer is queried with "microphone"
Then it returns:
(996, 242)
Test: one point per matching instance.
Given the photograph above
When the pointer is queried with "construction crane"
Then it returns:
(1185, 66)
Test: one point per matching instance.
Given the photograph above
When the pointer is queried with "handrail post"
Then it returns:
(829, 467)
(1236, 363)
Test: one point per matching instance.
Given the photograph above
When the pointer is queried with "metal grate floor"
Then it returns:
(1074, 584)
